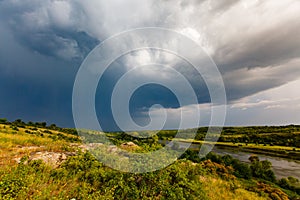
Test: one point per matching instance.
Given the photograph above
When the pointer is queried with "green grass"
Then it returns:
(21, 142)
(83, 177)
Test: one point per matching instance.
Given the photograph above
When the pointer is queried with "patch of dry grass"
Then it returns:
(23, 141)
(217, 189)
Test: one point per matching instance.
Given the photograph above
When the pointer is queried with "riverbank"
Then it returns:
(282, 167)
(276, 151)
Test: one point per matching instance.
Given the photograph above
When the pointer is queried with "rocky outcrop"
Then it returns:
(53, 159)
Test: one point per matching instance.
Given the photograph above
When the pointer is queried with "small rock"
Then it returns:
(63, 156)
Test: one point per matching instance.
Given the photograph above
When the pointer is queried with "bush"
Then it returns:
(191, 155)
(3, 121)
(241, 170)
(41, 124)
(173, 182)
(290, 183)
(14, 128)
(262, 169)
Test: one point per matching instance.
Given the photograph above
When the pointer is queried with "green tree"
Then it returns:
(262, 169)
(3, 121)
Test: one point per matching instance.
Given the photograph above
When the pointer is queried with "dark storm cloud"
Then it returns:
(222, 5)
(255, 44)
(33, 86)
(38, 26)
(59, 43)
(245, 82)
(274, 46)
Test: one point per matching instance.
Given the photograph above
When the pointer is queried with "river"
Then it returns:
(282, 167)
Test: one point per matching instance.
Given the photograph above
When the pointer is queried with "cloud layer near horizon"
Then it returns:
(255, 45)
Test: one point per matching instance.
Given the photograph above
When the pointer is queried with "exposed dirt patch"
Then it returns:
(54, 159)
(129, 146)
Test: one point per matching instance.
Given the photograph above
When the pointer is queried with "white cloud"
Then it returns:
(275, 106)
(255, 44)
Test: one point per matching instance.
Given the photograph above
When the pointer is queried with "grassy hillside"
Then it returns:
(40, 162)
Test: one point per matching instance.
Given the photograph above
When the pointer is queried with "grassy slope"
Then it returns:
(82, 177)
(15, 142)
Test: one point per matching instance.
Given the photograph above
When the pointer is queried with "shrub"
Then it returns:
(262, 169)
(241, 170)
(14, 128)
(290, 183)
(3, 121)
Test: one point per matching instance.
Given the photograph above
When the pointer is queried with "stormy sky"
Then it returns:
(255, 45)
